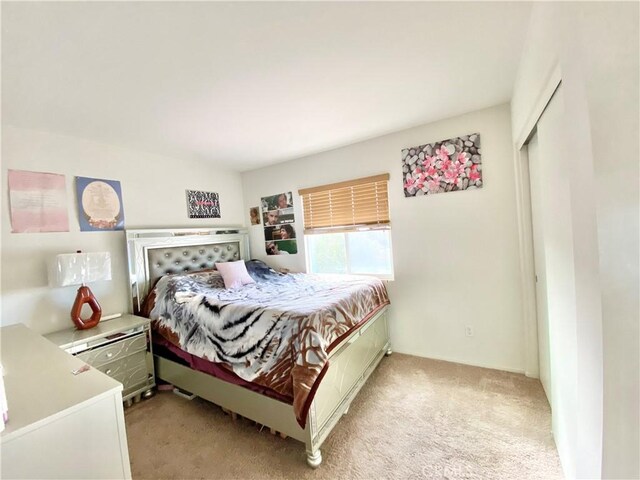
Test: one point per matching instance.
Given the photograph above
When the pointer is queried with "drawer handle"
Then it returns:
(108, 372)
(109, 354)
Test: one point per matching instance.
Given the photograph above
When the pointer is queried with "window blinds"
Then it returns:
(346, 205)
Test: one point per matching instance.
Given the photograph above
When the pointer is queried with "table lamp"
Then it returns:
(79, 269)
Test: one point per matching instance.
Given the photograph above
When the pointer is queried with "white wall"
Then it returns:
(153, 191)
(595, 45)
(455, 254)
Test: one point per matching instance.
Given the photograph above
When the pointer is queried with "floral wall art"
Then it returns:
(445, 166)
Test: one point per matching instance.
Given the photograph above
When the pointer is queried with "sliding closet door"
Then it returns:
(553, 227)
(539, 257)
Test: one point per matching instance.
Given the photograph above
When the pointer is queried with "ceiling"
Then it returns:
(251, 84)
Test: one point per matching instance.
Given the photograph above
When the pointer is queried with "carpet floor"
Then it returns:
(415, 418)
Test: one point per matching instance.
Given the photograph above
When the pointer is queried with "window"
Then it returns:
(347, 227)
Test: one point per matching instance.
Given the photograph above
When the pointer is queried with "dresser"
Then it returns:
(65, 420)
(120, 348)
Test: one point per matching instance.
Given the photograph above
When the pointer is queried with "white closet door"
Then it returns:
(539, 257)
(555, 269)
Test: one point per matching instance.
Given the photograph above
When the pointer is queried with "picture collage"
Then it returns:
(278, 220)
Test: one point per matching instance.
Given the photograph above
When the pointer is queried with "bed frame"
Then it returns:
(153, 253)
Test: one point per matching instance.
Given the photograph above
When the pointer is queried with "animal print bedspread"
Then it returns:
(277, 332)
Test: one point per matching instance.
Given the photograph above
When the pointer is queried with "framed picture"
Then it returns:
(99, 204)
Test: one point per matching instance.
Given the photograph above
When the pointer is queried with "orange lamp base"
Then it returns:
(85, 295)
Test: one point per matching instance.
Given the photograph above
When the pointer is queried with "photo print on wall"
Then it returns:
(445, 166)
(203, 204)
(254, 215)
(284, 231)
(278, 218)
(277, 202)
(99, 204)
(281, 247)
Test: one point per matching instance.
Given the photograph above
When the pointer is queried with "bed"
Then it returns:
(176, 265)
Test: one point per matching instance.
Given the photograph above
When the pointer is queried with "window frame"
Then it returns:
(336, 218)
(382, 276)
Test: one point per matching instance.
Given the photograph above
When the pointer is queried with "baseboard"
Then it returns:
(520, 371)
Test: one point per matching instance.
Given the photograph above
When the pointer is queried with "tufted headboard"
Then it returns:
(157, 252)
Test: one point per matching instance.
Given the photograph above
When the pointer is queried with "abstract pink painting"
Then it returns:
(38, 202)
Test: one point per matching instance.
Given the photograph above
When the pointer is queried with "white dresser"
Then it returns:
(60, 425)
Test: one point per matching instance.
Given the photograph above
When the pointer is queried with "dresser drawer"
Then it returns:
(115, 351)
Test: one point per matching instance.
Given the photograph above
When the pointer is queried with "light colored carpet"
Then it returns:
(416, 418)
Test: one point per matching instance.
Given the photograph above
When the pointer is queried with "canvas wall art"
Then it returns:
(445, 166)
(203, 204)
(38, 202)
(99, 204)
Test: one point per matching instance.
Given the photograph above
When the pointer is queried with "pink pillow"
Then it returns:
(234, 274)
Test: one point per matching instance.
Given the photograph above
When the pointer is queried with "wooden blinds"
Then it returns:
(364, 201)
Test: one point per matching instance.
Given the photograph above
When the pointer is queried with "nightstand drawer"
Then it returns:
(131, 370)
(120, 347)
(114, 351)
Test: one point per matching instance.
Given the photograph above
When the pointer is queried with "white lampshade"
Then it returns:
(79, 268)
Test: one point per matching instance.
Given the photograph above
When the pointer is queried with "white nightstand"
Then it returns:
(120, 348)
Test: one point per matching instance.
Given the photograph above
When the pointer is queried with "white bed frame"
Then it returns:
(155, 252)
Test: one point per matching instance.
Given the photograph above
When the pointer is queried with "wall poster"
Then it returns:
(278, 219)
(445, 166)
(203, 204)
(38, 202)
(100, 205)
(254, 215)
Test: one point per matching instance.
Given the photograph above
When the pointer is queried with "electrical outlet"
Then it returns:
(468, 330)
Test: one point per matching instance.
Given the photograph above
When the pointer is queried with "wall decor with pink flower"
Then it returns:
(445, 166)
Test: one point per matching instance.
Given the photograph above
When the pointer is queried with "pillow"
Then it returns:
(234, 274)
(259, 271)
